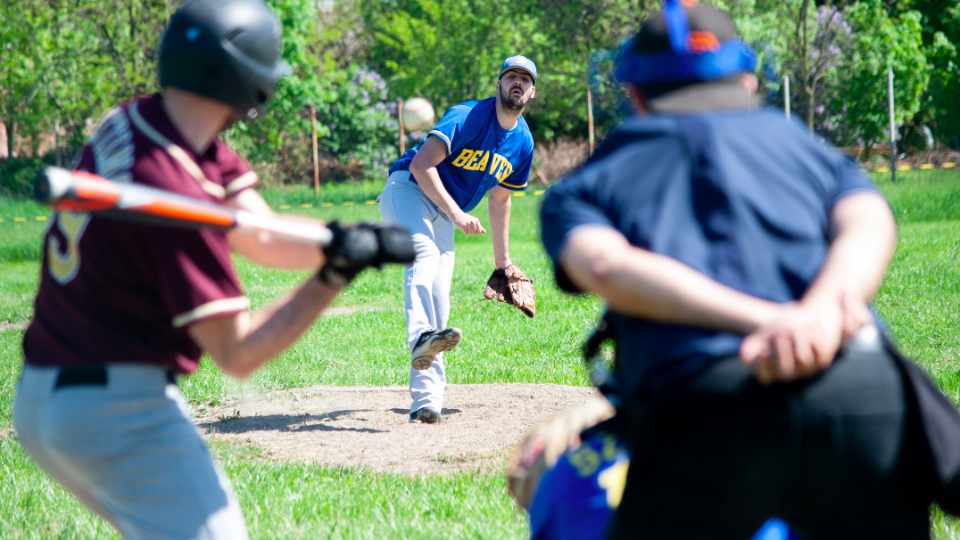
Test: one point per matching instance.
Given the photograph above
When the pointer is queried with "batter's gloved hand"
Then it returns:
(510, 285)
(357, 247)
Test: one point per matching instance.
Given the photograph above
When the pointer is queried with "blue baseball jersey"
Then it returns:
(776, 529)
(480, 153)
(741, 197)
(575, 499)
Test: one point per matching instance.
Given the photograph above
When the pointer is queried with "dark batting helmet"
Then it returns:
(227, 50)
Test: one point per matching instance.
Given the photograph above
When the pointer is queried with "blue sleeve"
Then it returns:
(566, 206)
(452, 127)
(849, 180)
(543, 501)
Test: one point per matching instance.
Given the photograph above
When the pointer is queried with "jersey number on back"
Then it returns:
(64, 262)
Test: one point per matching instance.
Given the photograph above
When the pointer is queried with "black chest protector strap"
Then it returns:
(600, 375)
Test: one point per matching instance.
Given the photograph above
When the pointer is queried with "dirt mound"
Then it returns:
(368, 426)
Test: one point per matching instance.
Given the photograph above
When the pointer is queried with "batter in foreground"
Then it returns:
(124, 309)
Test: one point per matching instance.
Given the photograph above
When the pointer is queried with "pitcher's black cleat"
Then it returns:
(425, 415)
(433, 343)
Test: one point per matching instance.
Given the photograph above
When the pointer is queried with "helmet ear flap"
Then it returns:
(227, 50)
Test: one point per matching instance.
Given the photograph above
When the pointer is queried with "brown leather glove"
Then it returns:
(510, 285)
(497, 286)
(521, 290)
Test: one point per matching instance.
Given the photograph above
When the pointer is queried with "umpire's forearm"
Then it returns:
(866, 237)
(642, 284)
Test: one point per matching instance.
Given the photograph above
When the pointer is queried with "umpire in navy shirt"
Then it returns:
(737, 255)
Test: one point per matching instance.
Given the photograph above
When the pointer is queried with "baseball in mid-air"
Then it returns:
(417, 114)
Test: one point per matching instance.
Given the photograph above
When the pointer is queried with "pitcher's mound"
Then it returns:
(369, 426)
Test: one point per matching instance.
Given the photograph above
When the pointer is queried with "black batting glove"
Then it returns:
(357, 247)
(396, 244)
(352, 249)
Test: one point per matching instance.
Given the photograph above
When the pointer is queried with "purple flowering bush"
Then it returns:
(362, 128)
(830, 47)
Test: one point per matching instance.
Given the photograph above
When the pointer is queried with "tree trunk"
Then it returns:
(14, 143)
(4, 141)
(802, 33)
(34, 145)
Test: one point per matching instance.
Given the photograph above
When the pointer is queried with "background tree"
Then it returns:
(881, 41)
(64, 62)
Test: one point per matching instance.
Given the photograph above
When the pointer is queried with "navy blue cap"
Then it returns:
(520, 62)
(680, 44)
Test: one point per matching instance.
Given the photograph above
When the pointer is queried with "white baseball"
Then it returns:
(417, 114)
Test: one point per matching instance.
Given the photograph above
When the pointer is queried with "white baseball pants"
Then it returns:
(426, 282)
(129, 451)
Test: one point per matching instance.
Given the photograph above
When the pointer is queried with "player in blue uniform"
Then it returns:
(737, 255)
(576, 498)
(477, 147)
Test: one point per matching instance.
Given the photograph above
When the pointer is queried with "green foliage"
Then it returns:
(65, 63)
(288, 115)
(447, 51)
(943, 100)
(571, 31)
(69, 62)
(450, 51)
(16, 175)
(880, 42)
(362, 121)
(355, 127)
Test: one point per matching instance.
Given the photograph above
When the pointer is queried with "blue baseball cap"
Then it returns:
(520, 62)
(679, 44)
(686, 58)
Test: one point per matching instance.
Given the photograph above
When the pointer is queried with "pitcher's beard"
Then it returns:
(511, 103)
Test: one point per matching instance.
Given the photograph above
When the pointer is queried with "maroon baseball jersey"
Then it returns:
(118, 292)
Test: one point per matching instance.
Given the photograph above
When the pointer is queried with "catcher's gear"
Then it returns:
(600, 375)
(543, 446)
(510, 285)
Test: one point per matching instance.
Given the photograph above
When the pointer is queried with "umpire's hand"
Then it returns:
(804, 339)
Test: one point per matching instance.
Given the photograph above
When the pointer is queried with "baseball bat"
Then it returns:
(81, 191)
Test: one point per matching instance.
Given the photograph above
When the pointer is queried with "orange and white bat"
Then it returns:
(85, 192)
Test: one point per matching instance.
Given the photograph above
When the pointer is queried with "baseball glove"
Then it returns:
(543, 446)
(510, 285)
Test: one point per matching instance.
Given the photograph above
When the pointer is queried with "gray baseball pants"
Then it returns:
(426, 282)
(128, 450)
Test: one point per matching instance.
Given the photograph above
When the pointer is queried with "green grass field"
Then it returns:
(919, 300)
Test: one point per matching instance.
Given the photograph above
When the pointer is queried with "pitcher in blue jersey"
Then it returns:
(477, 147)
